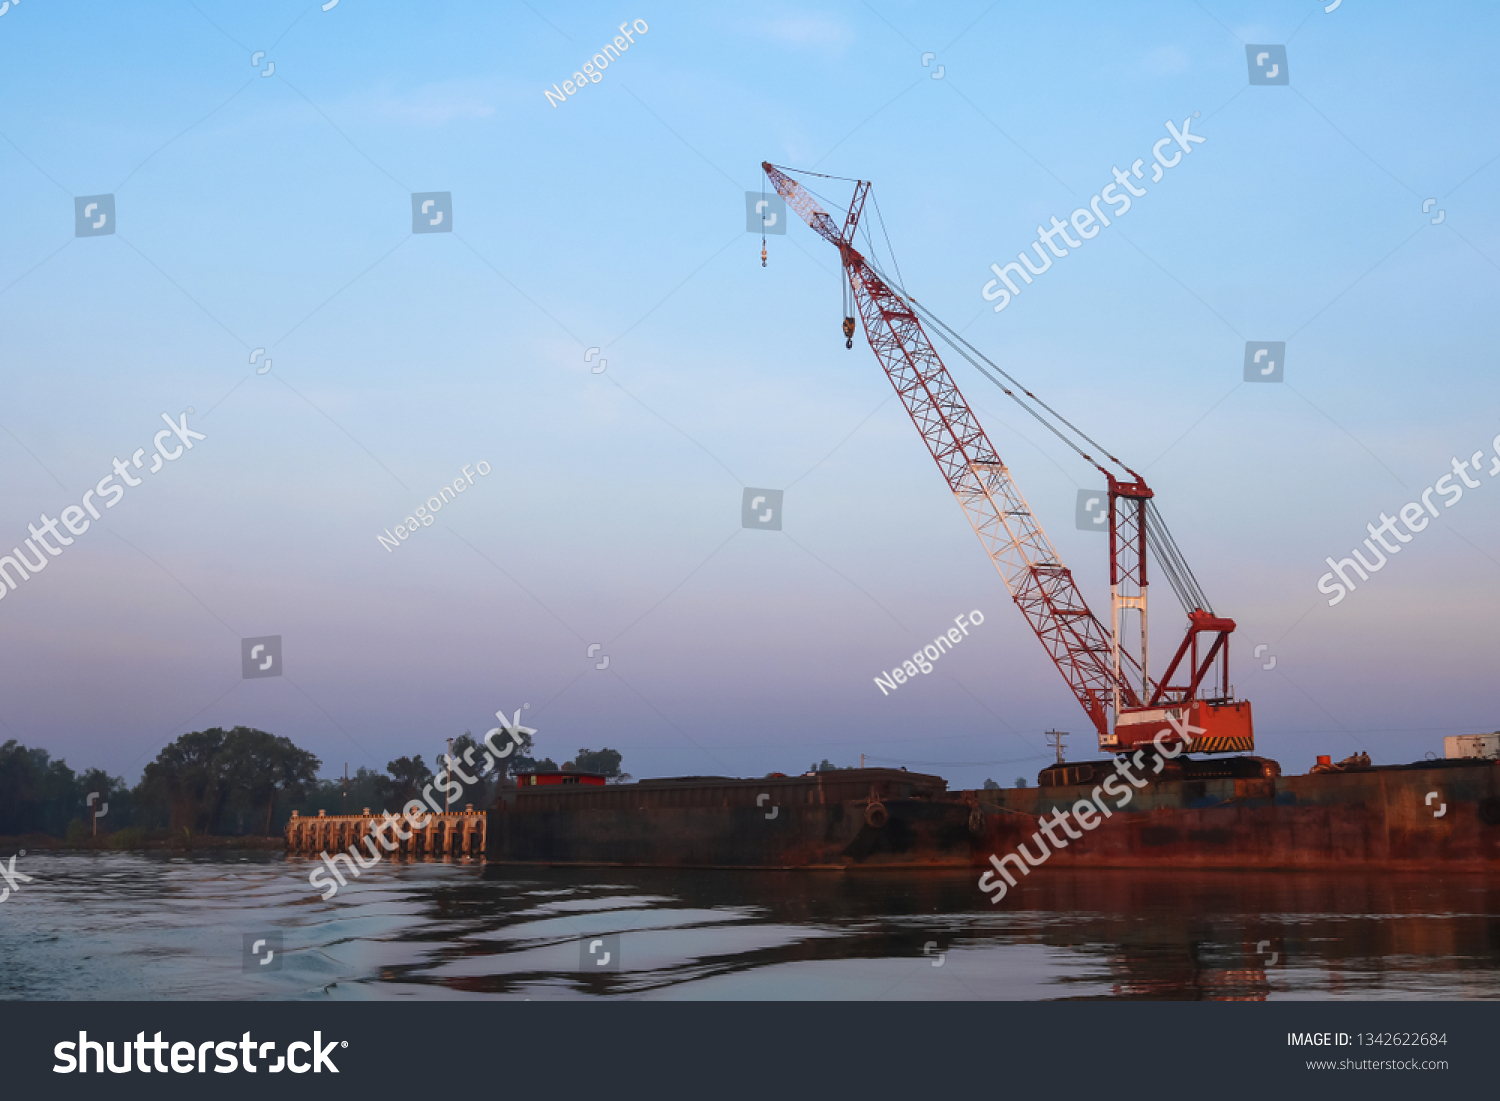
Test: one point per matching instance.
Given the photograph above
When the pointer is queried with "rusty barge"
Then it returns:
(1437, 814)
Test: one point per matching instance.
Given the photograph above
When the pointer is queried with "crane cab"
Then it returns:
(1225, 726)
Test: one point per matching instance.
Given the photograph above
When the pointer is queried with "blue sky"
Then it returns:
(274, 212)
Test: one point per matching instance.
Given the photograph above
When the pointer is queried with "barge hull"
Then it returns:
(1403, 817)
(825, 821)
(1430, 815)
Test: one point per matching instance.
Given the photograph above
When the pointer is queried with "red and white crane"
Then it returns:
(1110, 680)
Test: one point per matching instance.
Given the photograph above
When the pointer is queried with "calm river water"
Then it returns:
(122, 926)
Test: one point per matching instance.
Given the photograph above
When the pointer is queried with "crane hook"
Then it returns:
(848, 332)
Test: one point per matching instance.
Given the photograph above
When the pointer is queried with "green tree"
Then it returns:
(40, 795)
(184, 785)
(1020, 781)
(990, 785)
(409, 775)
(37, 794)
(368, 787)
(259, 768)
(605, 762)
(112, 810)
(469, 757)
(470, 754)
(520, 760)
(204, 773)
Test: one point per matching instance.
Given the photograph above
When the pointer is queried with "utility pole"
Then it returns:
(1055, 739)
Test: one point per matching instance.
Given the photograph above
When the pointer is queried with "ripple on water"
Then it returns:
(130, 926)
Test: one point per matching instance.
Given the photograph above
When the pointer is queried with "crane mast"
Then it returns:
(1105, 677)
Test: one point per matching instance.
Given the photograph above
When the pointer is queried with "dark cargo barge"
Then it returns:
(838, 819)
(1432, 814)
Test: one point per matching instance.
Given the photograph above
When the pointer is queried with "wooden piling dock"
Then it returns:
(458, 833)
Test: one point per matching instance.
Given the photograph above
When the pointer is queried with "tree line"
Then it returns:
(243, 781)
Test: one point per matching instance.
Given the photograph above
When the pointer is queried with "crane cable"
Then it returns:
(1164, 548)
(888, 247)
(1173, 564)
(762, 209)
(983, 365)
(969, 352)
(809, 172)
(957, 342)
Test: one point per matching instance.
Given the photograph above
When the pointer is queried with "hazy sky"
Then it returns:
(275, 212)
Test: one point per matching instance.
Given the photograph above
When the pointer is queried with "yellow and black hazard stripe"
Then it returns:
(1222, 745)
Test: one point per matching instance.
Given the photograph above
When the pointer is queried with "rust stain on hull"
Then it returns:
(1373, 818)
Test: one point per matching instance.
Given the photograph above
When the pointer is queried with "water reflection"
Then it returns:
(125, 926)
